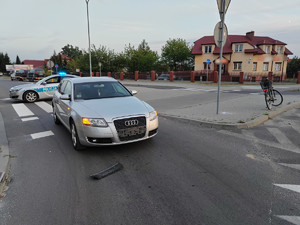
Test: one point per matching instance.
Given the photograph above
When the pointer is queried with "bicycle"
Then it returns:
(272, 96)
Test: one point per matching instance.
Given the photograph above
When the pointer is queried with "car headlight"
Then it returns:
(153, 115)
(15, 89)
(94, 122)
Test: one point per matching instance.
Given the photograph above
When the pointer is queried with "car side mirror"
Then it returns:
(134, 92)
(65, 97)
(43, 83)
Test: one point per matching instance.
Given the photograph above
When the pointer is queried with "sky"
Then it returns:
(34, 29)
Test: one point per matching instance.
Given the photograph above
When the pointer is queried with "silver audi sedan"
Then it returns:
(101, 111)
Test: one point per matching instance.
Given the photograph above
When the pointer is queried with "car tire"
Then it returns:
(74, 137)
(30, 96)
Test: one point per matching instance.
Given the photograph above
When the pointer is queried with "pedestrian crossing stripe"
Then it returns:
(292, 219)
(42, 134)
(45, 106)
(294, 166)
(291, 187)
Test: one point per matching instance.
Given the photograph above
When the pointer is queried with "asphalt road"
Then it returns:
(185, 175)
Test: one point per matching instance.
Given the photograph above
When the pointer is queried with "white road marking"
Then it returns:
(45, 106)
(294, 166)
(281, 137)
(42, 134)
(260, 141)
(30, 118)
(22, 110)
(291, 187)
(5, 99)
(291, 219)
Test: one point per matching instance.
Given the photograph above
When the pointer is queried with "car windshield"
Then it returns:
(97, 90)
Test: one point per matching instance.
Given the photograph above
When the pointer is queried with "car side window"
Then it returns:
(53, 80)
(68, 88)
(62, 87)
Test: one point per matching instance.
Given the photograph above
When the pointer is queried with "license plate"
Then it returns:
(131, 131)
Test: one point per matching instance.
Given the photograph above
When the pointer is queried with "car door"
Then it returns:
(65, 109)
(50, 86)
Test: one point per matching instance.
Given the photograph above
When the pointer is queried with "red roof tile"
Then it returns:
(255, 41)
(35, 63)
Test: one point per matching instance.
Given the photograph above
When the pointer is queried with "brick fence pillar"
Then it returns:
(97, 74)
(216, 76)
(152, 75)
(241, 80)
(192, 76)
(109, 74)
(171, 76)
(121, 76)
(298, 80)
(136, 75)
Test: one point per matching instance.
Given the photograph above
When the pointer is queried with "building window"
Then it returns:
(254, 66)
(267, 49)
(237, 65)
(278, 66)
(205, 65)
(208, 49)
(279, 49)
(266, 66)
(239, 48)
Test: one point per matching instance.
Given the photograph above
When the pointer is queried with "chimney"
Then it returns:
(250, 35)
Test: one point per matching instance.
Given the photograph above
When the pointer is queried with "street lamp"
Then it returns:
(90, 56)
(100, 64)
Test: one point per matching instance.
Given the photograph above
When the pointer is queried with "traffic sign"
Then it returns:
(218, 34)
(50, 64)
(220, 6)
(208, 61)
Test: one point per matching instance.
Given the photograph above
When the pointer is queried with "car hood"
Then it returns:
(111, 108)
(24, 86)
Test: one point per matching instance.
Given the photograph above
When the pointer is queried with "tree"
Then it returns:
(293, 67)
(4, 60)
(178, 55)
(141, 59)
(71, 52)
(18, 61)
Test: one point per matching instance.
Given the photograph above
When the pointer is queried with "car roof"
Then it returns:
(91, 79)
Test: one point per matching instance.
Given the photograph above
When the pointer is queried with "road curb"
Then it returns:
(4, 156)
(261, 119)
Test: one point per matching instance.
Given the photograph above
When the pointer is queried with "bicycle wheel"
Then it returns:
(268, 100)
(277, 98)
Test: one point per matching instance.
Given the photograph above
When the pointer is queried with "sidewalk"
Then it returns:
(4, 156)
(242, 112)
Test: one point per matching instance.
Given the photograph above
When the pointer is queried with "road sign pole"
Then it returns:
(222, 13)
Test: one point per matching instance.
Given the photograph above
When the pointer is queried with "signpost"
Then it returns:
(207, 63)
(220, 35)
(50, 64)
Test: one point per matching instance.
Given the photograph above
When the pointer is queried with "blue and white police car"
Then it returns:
(43, 89)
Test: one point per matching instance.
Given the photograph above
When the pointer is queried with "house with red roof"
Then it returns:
(243, 53)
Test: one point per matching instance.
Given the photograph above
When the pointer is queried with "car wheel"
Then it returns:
(75, 140)
(55, 118)
(30, 96)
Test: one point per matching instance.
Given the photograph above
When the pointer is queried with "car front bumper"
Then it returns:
(97, 136)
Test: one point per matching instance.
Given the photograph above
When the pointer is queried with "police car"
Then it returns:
(43, 89)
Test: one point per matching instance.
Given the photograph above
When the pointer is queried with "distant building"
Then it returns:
(247, 53)
(35, 63)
